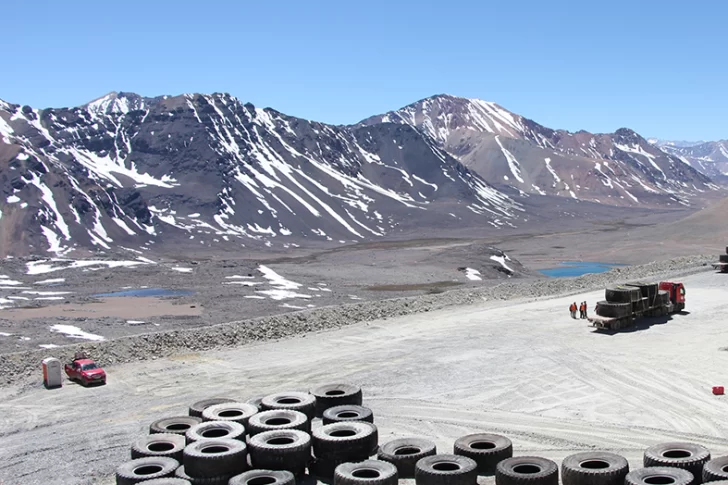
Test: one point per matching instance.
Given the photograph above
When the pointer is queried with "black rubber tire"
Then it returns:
(238, 412)
(615, 310)
(255, 401)
(723, 258)
(368, 472)
(726, 249)
(354, 440)
(404, 453)
(648, 290)
(526, 470)
(622, 295)
(291, 401)
(215, 458)
(347, 412)
(276, 419)
(286, 449)
(140, 469)
(330, 395)
(159, 444)
(167, 481)
(688, 456)
(486, 449)
(279, 477)
(180, 473)
(174, 425)
(663, 296)
(716, 469)
(197, 408)
(658, 474)
(594, 468)
(215, 430)
(446, 470)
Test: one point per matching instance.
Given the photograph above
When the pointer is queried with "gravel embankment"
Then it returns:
(18, 367)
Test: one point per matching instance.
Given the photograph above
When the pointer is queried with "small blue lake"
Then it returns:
(578, 268)
(145, 292)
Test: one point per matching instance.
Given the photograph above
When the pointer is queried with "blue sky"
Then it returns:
(658, 67)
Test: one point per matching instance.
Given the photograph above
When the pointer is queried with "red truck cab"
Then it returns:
(677, 294)
(86, 372)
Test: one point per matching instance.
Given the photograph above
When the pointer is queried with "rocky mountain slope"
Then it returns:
(130, 172)
(620, 168)
(710, 158)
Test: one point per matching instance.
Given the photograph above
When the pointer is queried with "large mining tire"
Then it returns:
(215, 458)
(197, 408)
(594, 468)
(368, 472)
(615, 310)
(238, 412)
(446, 470)
(159, 444)
(404, 453)
(330, 395)
(215, 430)
(167, 481)
(688, 456)
(658, 475)
(622, 295)
(287, 449)
(263, 477)
(716, 469)
(723, 258)
(140, 469)
(180, 473)
(527, 470)
(347, 412)
(486, 449)
(352, 440)
(174, 425)
(291, 401)
(663, 297)
(278, 419)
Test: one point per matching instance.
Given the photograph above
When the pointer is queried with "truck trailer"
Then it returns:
(624, 304)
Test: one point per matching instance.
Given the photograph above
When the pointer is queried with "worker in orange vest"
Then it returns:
(582, 309)
(586, 309)
(572, 310)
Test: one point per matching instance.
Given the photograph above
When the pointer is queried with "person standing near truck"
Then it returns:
(586, 309)
(572, 310)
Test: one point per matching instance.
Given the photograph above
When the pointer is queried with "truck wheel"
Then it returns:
(594, 468)
(174, 425)
(658, 474)
(716, 470)
(446, 469)
(135, 471)
(263, 477)
(330, 395)
(197, 408)
(215, 430)
(622, 295)
(347, 412)
(291, 401)
(180, 473)
(159, 444)
(404, 453)
(215, 458)
(288, 449)
(526, 470)
(614, 310)
(368, 472)
(688, 456)
(238, 412)
(486, 449)
(353, 440)
(277, 419)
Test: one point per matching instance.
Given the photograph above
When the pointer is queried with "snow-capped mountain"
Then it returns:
(126, 171)
(710, 158)
(620, 168)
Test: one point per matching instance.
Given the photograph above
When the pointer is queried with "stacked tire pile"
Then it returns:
(327, 433)
(723, 258)
(620, 302)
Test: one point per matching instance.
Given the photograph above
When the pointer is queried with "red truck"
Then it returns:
(86, 372)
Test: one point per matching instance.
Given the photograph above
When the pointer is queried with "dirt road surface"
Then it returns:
(519, 368)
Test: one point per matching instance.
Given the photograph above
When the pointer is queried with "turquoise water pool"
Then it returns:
(578, 268)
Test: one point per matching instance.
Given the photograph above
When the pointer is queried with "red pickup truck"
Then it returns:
(86, 372)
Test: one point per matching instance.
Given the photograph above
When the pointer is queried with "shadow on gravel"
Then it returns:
(642, 324)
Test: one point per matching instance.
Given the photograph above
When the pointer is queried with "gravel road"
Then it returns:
(520, 367)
